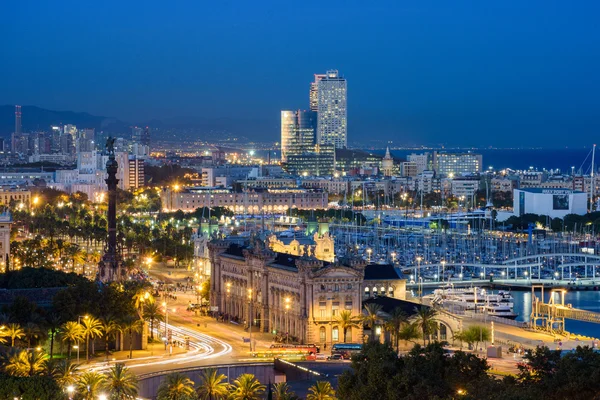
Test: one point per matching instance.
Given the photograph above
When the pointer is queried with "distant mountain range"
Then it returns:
(36, 118)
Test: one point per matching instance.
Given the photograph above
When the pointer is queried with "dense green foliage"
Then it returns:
(28, 278)
(430, 373)
(37, 387)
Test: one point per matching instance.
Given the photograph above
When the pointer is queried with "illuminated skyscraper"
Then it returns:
(314, 93)
(136, 134)
(297, 132)
(332, 118)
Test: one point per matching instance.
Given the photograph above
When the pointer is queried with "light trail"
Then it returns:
(202, 347)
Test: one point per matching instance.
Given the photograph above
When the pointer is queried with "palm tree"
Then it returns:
(141, 297)
(121, 382)
(109, 328)
(176, 386)
(247, 387)
(283, 392)
(91, 329)
(90, 384)
(473, 335)
(152, 313)
(372, 316)
(53, 322)
(131, 324)
(212, 385)
(396, 319)
(71, 332)
(14, 331)
(425, 320)
(32, 331)
(64, 372)
(409, 332)
(322, 390)
(25, 363)
(347, 321)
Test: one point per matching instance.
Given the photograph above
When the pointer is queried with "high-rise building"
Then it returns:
(18, 125)
(85, 140)
(332, 118)
(320, 161)
(297, 132)
(135, 173)
(136, 134)
(145, 140)
(314, 93)
(422, 161)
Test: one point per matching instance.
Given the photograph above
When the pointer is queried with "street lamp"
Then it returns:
(287, 320)
(227, 311)
(164, 304)
(369, 254)
(393, 257)
(443, 262)
(70, 390)
(250, 316)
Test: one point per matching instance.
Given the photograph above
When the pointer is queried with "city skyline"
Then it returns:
(461, 74)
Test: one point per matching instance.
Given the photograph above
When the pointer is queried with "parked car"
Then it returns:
(335, 357)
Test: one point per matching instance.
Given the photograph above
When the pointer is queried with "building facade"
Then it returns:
(452, 165)
(387, 163)
(298, 130)
(16, 196)
(556, 203)
(249, 201)
(318, 162)
(314, 93)
(296, 295)
(332, 112)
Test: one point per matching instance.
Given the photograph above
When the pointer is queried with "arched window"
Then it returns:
(443, 332)
(322, 335)
(335, 334)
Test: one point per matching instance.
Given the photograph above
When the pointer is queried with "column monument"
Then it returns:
(110, 267)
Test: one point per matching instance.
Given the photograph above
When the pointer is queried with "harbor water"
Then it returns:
(585, 300)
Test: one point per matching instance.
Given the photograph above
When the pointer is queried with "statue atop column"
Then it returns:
(110, 268)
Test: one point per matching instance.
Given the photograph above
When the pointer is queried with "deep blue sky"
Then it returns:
(419, 72)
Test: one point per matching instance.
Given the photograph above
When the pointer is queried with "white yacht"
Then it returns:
(498, 304)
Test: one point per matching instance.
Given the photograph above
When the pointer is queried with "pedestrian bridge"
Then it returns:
(551, 316)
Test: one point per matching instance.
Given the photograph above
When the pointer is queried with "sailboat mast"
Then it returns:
(592, 183)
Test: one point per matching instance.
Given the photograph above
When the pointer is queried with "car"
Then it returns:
(334, 357)
(320, 357)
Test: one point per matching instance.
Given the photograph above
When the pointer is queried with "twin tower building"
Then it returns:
(309, 137)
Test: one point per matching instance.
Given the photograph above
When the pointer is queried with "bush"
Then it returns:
(35, 387)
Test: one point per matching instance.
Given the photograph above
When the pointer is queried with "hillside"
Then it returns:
(36, 118)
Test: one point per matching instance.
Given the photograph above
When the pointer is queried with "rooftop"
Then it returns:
(382, 271)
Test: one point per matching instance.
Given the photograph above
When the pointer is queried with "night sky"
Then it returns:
(504, 73)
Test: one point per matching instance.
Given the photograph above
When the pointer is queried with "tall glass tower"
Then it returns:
(332, 110)
(297, 132)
